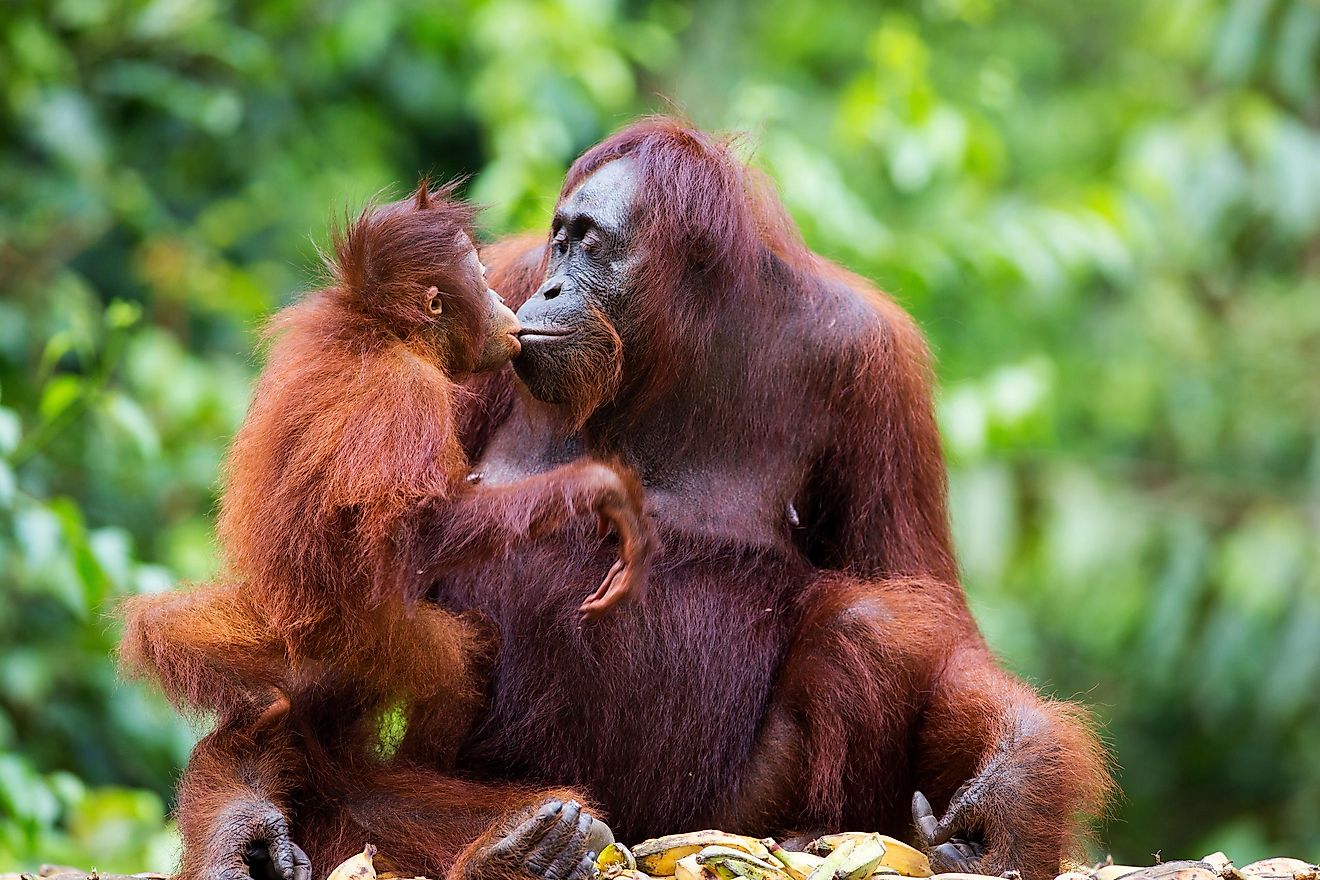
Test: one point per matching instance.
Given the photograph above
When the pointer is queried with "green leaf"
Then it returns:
(23, 795)
(1298, 52)
(65, 122)
(1241, 36)
(59, 394)
(67, 788)
(121, 314)
(52, 564)
(38, 532)
(391, 727)
(113, 549)
(125, 414)
(57, 346)
(8, 485)
(11, 429)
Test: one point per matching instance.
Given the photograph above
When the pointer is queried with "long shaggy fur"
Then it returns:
(350, 429)
(805, 658)
(347, 473)
(802, 657)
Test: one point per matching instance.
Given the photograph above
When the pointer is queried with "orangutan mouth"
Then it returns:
(532, 334)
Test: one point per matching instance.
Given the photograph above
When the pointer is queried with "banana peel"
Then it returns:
(659, 856)
(614, 859)
(798, 865)
(906, 860)
(1281, 869)
(1179, 870)
(688, 869)
(729, 864)
(359, 867)
(855, 857)
(1113, 872)
(899, 857)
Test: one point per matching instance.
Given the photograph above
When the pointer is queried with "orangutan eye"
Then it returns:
(591, 241)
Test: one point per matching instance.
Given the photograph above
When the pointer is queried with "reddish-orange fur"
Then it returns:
(348, 462)
(779, 409)
(350, 429)
(333, 802)
(806, 659)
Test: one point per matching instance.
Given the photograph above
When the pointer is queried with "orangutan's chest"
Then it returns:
(621, 701)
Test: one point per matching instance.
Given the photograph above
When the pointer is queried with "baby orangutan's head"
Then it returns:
(411, 267)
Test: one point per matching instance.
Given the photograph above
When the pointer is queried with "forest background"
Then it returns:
(1106, 216)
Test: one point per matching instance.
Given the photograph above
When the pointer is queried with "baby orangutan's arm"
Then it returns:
(207, 648)
(483, 520)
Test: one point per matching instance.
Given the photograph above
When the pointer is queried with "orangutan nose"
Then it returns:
(551, 288)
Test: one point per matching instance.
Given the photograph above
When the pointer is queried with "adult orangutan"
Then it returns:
(804, 660)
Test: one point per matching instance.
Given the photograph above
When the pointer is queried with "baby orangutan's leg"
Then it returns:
(425, 823)
(234, 804)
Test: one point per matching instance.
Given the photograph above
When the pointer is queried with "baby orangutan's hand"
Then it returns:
(620, 509)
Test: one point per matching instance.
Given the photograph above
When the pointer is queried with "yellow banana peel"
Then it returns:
(659, 856)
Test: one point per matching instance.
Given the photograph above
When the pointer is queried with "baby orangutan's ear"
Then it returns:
(434, 305)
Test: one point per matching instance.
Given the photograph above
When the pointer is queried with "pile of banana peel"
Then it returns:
(715, 855)
(855, 855)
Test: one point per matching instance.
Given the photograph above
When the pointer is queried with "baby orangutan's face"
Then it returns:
(501, 332)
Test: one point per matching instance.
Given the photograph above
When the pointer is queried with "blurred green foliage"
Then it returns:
(1106, 216)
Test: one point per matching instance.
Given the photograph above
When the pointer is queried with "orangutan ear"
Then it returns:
(433, 304)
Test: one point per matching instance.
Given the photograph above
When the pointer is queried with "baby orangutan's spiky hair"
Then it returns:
(391, 254)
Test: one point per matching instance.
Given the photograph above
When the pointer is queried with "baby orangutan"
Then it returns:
(347, 483)
(346, 492)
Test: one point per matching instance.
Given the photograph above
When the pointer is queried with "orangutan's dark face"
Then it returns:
(570, 340)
